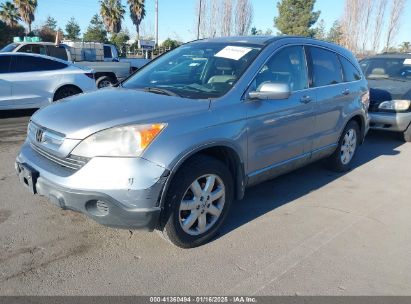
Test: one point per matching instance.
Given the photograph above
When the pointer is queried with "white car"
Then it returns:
(34, 81)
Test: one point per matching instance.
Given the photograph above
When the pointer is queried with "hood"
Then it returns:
(388, 89)
(79, 116)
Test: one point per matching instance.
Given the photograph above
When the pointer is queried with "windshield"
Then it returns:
(385, 68)
(196, 71)
(9, 48)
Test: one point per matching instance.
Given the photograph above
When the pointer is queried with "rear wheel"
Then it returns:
(407, 134)
(197, 201)
(65, 92)
(104, 82)
(341, 159)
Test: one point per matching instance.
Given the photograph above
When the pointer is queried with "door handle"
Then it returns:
(346, 92)
(306, 99)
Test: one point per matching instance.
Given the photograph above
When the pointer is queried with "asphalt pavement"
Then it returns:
(311, 232)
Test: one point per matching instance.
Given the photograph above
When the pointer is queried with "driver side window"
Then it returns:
(288, 66)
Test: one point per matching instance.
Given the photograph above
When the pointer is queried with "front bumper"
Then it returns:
(115, 192)
(395, 122)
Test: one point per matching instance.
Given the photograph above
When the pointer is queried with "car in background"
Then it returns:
(389, 79)
(33, 81)
(108, 70)
(173, 146)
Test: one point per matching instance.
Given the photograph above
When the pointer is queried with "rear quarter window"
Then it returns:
(350, 72)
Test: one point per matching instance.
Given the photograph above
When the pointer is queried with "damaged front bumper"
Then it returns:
(116, 192)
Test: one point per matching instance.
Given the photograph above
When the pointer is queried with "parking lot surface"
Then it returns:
(311, 232)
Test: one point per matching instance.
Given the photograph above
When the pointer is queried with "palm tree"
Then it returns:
(113, 13)
(26, 8)
(9, 14)
(137, 13)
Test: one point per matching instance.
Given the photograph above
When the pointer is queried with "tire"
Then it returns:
(193, 224)
(104, 82)
(341, 159)
(65, 92)
(406, 136)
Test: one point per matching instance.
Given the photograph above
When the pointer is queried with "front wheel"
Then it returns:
(341, 159)
(105, 82)
(197, 202)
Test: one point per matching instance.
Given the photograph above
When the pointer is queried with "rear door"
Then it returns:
(332, 97)
(5, 84)
(34, 79)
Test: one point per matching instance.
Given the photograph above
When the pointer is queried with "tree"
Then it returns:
(405, 46)
(120, 39)
(96, 31)
(243, 17)
(112, 12)
(137, 13)
(51, 23)
(9, 14)
(170, 43)
(378, 24)
(397, 9)
(296, 17)
(226, 17)
(335, 33)
(320, 32)
(7, 33)
(27, 8)
(72, 29)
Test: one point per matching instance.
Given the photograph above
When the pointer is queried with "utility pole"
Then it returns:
(156, 21)
(200, 7)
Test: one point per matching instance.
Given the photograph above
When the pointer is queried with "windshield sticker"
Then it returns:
(233, 52)
(407, 61)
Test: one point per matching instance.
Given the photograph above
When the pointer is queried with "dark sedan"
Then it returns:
(389, 79)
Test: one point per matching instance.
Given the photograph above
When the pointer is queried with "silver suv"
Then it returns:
(177, 143)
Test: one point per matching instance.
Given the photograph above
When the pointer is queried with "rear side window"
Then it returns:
(57, 52)
(33, 48)
(349, 70)
(5, 64)
(326, 67)
(23, 64)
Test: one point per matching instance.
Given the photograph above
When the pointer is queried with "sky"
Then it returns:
(177, 18)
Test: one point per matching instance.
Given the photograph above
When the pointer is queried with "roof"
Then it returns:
(30, 42)
(258, 40)
(392, 55)
(34, 55)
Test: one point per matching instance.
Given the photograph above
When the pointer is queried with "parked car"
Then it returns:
(108, 70)
(389, 78)
(33, 81)
(171, 149)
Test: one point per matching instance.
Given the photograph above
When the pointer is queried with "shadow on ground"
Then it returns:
(270, 195)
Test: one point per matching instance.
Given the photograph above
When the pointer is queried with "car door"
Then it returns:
(280, 131)
(5, 84)
(34, 79)
(332, 97)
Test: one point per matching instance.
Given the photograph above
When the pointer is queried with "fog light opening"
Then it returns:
(98, 208)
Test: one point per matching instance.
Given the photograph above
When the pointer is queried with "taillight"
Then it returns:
(90, 75)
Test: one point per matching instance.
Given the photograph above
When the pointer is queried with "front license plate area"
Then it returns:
(28, 177)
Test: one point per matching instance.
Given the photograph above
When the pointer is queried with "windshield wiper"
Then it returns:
(161, 91)
(387, 78)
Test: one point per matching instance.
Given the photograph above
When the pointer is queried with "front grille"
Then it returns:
(71, 162)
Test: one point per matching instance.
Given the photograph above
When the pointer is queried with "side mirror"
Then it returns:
(270, 90)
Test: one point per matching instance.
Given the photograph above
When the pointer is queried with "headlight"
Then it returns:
(395, 105)
(128, 141)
